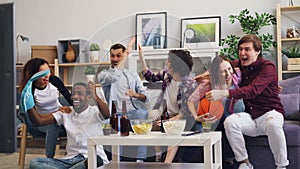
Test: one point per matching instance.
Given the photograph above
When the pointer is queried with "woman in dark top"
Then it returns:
(46, 91)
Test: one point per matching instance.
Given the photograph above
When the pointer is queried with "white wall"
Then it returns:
(47, 21)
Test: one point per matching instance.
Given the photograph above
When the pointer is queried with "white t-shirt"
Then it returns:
(79, 128)
(171, 94)
(46, 100)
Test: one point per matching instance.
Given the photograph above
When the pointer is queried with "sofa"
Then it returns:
(259, 152)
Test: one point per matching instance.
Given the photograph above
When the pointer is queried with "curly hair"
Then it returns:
(181, 61)
(29, 69)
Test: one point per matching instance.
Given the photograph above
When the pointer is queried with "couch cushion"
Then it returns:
(290, 85)
(292, 134)
(290, 103)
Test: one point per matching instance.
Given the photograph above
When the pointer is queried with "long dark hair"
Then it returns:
(29, 69)
(215, 79)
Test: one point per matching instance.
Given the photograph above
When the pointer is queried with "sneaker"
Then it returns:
(139, 161)
(278, 167)
(246, 166)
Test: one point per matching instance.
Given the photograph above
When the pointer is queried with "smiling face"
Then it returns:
(247, 53)
(226, 72)
(43, 81)
(80, 98)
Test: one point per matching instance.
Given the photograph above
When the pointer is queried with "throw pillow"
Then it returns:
(290, 103)
(290, 85)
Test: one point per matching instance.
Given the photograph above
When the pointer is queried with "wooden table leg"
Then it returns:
(23, 146)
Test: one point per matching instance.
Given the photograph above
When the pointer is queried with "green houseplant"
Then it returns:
(90, 72)
(94, 47)
(292, 51)
(250, 25)
(94, 52)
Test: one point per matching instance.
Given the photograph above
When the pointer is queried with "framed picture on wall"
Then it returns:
(151, 30)
(200, 32)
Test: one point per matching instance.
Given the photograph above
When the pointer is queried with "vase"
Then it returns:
(70, 55)
(94, 56)
(90, 78)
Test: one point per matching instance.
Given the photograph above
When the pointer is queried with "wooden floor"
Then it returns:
(10, 160)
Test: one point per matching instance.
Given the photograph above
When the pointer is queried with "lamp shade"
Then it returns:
(25, 40)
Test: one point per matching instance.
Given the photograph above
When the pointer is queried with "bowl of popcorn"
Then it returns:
(141, 126)
(174, 127)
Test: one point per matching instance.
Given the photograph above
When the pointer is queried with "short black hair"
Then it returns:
(118, 46)
(84, 85)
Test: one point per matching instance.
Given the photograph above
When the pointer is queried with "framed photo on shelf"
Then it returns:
(200, 32)
(151, 30)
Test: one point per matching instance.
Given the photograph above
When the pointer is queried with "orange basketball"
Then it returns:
(203, 106)
(215, 108)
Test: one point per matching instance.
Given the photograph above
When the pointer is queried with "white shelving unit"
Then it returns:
(286, 17)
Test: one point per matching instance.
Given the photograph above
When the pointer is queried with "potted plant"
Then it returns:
(293, 54)
(249, 25)
(90, 72)
(94, 52)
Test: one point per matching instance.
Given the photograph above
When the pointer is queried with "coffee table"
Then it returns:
(207, 140)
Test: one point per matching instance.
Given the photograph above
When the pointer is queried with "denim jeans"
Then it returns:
(51, 132)
(77, 162)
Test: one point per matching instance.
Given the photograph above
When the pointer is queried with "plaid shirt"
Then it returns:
(186, 88)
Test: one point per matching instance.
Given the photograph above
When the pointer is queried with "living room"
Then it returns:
(46, 23)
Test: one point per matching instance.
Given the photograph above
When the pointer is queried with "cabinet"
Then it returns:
(287, 17)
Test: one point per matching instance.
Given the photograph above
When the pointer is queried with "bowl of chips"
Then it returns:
(141, 126)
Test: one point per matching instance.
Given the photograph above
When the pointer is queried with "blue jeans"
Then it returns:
(143, 115)
(50, 132)
(77, 162)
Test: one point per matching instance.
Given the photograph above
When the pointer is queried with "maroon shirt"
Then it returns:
(258, 88)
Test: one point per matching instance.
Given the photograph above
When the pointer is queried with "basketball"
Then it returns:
(215, 108)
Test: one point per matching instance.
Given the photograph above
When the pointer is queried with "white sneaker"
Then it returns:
(246, 166)
(281, 168)
(139, 161)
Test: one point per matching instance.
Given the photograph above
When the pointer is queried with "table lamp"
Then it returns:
(25, 40)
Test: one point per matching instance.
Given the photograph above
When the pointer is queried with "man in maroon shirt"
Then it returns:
(264, 111)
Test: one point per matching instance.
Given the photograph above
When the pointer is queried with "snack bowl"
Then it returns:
(141, 126)
(174, 127)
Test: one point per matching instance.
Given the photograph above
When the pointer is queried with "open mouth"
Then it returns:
(244, 59)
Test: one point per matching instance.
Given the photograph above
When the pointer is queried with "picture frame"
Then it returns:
(151, 30)
(200, 32)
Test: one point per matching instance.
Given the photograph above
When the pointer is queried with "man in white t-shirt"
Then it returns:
(81, 123)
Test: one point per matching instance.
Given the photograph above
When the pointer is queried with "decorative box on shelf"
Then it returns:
(79, 50)
(49, 53)
(293, 64)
